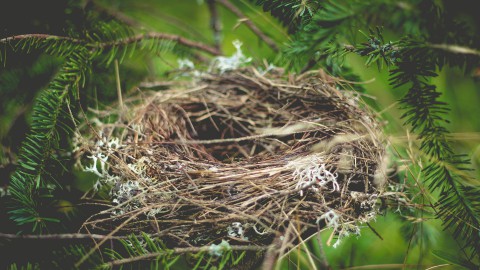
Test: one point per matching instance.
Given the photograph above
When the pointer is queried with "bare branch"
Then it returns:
(249, 24)
(215, 23)
(455, 49)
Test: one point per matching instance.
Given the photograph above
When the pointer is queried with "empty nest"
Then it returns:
(240, 156)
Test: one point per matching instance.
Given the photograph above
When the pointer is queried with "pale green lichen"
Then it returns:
(223, 63)
(218, 250)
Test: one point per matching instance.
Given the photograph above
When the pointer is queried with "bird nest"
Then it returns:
(240, 156)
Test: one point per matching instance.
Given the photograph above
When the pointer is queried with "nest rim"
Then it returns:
(288, 164)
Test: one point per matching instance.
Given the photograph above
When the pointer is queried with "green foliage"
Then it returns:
(33, 181)
(412, 62)
(291, 13)
(445, 170)
(323, 34)
(453, 259)
(147, 252)
(28, 266)
(138, 251)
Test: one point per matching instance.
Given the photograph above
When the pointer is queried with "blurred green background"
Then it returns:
(402, 247)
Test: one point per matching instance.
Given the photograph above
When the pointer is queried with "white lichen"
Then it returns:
(223, 63)
(265, 231)
(99, 165)
(333, 220)
(114, 143)
(185, 64)
(236, 230)
(125, 191)
(159, 210)
(311, 173)
(140, 166)
(268, 69)
(188, 69)
(93, 168)
(218, 250)
(4, 192)
(125, 194)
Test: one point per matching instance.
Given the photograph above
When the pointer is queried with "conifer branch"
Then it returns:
(161, 36)
(40, 36)
(32, 178)
(124, 41)
(187, 250)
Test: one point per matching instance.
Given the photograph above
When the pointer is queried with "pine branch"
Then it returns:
(415, 65)
(31, 183)
(146, 248)
(413, 62)
(291, 13)
(154, 255)
(47, 41)
(158, 36)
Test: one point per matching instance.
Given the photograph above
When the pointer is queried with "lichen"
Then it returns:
(311, 173)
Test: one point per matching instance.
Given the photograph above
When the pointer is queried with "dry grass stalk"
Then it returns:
(239, 156)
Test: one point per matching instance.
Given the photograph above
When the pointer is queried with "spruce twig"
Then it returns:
(125, 41)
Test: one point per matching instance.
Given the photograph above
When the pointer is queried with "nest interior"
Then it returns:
(240, 156)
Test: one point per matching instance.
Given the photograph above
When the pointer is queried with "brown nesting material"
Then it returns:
(241, 157)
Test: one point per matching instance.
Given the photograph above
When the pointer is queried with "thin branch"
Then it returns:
(455, 49)
(154, 255)
(68, 236)
(374, 231)
(215, 23)
(151, 35)
(40, 36)
(165, 36)
(249, 24)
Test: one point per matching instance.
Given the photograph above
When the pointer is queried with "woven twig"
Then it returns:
(239, 156)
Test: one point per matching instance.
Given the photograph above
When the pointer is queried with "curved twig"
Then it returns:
(249, 23)
(155, 35)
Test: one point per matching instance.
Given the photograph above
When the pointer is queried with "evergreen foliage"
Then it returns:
(33, 181)
(139, 250)
(322, 34)
(412, 61)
